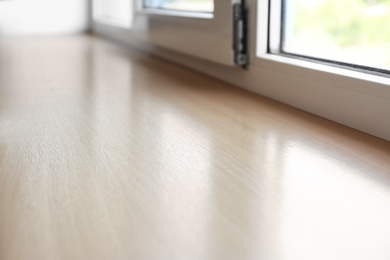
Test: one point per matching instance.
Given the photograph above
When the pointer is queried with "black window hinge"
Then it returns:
(240, 33)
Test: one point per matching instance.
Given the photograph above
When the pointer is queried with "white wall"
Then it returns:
(32, 17)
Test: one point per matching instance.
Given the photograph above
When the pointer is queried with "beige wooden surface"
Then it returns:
(106, 154)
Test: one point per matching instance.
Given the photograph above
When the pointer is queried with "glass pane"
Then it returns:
(182, 5)
(352, 31)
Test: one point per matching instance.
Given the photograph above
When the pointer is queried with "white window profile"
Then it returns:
(199, 6)
(359, 99)
(207, 35)
(114, 12)
(354, 98)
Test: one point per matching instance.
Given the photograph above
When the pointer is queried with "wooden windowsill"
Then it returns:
(110, 154)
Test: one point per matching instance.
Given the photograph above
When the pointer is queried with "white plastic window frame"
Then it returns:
(98, 15)
(359, 99)
(203, 35)
(169, 12)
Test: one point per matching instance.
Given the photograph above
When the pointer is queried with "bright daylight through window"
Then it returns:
(182, 5)
(350, 31)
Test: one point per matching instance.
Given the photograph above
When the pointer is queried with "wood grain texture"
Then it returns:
(108, 154)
